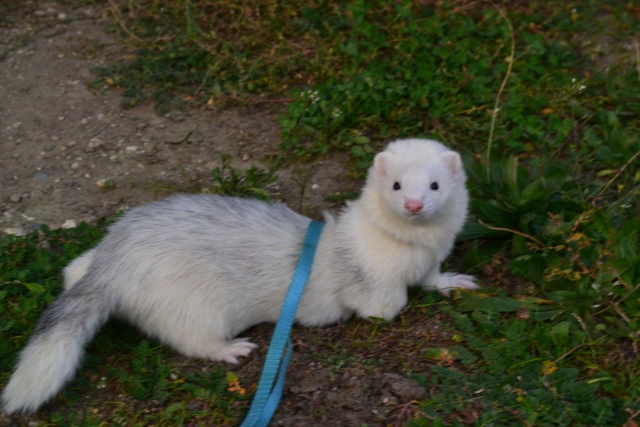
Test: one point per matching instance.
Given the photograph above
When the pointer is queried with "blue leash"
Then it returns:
(265, 402)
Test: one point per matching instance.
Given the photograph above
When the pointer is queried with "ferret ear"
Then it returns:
(382, 163)
(453, 162)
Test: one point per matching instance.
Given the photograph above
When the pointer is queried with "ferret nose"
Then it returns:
(413, 205)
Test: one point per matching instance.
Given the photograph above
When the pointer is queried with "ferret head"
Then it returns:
(420, 180)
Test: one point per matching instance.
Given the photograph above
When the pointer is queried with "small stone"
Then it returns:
(16, 231)
(69, 224)
(94, 143)
(388, 400)
(75, 165)
(101, 183)
(109, 203)
(304, 388)
(403, 388)
(16, 197)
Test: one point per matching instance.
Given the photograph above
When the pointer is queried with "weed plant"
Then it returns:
(542, 99)
(252, 182)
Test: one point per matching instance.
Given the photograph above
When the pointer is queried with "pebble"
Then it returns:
(404, 388)
(16, 231)
(69, 224)
(304, 388)
(108, 203)
(388, 400)
(94, 143)
(16, 197)
(42, 176)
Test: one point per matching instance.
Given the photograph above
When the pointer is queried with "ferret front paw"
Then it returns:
(240, 347)
(449, 281)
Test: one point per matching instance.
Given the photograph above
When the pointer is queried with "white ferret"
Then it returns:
(194, 271)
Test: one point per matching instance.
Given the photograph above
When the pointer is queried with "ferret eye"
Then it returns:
(434, 186)
(396, 186)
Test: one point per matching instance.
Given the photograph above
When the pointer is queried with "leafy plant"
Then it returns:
(505, 371)
(190, 52)
(251, 182)
(149, 374)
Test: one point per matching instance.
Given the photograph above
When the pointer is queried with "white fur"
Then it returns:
(195, 271)
(77, 268)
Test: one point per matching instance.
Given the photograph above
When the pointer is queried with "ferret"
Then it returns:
(194, 271)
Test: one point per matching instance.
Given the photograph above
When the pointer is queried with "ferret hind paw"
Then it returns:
(239, 347)
(462, 281)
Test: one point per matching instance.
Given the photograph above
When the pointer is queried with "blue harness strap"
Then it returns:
(265, 402)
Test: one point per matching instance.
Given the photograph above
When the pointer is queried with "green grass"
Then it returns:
(251, 182)
(512, 370)
(542, 98)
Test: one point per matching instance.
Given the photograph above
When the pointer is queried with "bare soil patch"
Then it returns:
(71, 155)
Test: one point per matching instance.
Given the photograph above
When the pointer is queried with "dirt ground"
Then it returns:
(65, 148)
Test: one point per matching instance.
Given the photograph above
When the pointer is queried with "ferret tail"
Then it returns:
(55, 349)
(77, 268)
